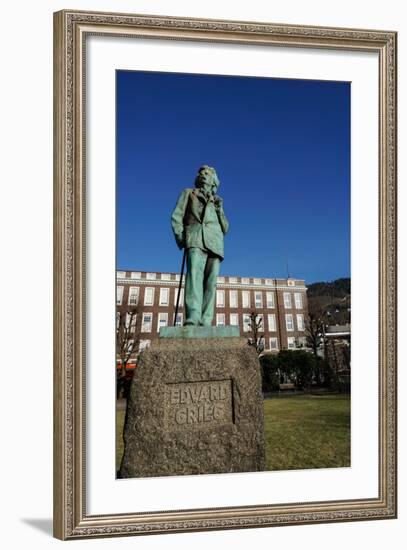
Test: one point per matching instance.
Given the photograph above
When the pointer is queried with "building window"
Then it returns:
(135, 275)
(287, 300)
(131, 321)
(162, 321)
(149, 296)
(271, 318)
(181, 297)
(165, 277)
(220, 279)
(258, 300)
(234, 319)
(119, 295)
(291, 342)
(117, 319)
(151, 276)
(121, 274)
(245, 281)
(270, 299)
(232, 298)
(133, 295)
(302, 342)
(220, 298)
(246, 322)
(233, 280)
(245, 298)
(257, 281)
(220, 319)
(147, 322)
(260, 322)
(164, 296)
(289, 323)
(269, 282)
(144, 344)
(298, 300)
(300, 322)
(179, 320)
(273, 343)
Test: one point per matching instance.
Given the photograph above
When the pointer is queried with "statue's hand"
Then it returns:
(180, 240)
(218, 202)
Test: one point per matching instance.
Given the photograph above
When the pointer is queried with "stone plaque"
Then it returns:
(198, 405)
(195, 407)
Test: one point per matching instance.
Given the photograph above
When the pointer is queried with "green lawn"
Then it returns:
(307, 432)
(301, 432)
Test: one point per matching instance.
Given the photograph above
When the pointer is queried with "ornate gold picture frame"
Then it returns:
(72, 29)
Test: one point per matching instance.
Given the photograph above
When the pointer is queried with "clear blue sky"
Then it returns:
(281, 149)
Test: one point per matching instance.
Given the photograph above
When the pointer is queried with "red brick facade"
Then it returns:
(154, 295)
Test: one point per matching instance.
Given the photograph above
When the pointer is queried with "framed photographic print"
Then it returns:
(225, 274)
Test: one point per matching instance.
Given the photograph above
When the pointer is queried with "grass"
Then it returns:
(301, 432)
(307, 432)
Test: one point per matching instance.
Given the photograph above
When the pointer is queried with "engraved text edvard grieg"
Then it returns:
(198, 404)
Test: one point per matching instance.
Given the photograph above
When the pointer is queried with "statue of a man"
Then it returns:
(199, 224)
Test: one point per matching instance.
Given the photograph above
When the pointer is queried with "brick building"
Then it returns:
(281, 303)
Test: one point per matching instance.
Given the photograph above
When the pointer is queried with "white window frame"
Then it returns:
(164, 290)
(300, 322)
(119, 295)
(121, 274)
(144, 344)
(261, 325)
(235, 294)
(247, 294)
(270, 300)
(220, 280)
(258, 303)
(233, 280)
(135, 275)
(287, 300)
(245, 281)
(257, 281)
(289, 322)
(298, 300)
(234, 316)
(148, 288)
(143, 321)
(220, 320)
(269, 282)
(291, 344)
(302, 341)
(246, 322)
(137, 289)
(165, 276)
(272, 326)
(181, 297)
(151, 276)
(220, 298)
(273, 339)
(180, 316)
(162, 316)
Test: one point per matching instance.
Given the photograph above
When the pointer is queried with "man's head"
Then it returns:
(207, 179)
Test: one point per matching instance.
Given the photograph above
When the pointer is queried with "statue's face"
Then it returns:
(206, 179)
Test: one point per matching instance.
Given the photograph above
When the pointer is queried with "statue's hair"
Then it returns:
(215, 178)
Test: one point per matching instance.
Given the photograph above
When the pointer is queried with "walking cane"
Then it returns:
(180, 285)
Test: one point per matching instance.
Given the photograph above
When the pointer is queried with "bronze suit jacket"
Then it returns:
(196, 222)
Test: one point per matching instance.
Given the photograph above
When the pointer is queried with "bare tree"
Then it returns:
(256, 331)
(127, 339)
(314, 326)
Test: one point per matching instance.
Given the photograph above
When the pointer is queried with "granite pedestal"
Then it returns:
(195, 407)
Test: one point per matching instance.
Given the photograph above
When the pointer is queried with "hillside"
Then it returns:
(331, 299)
